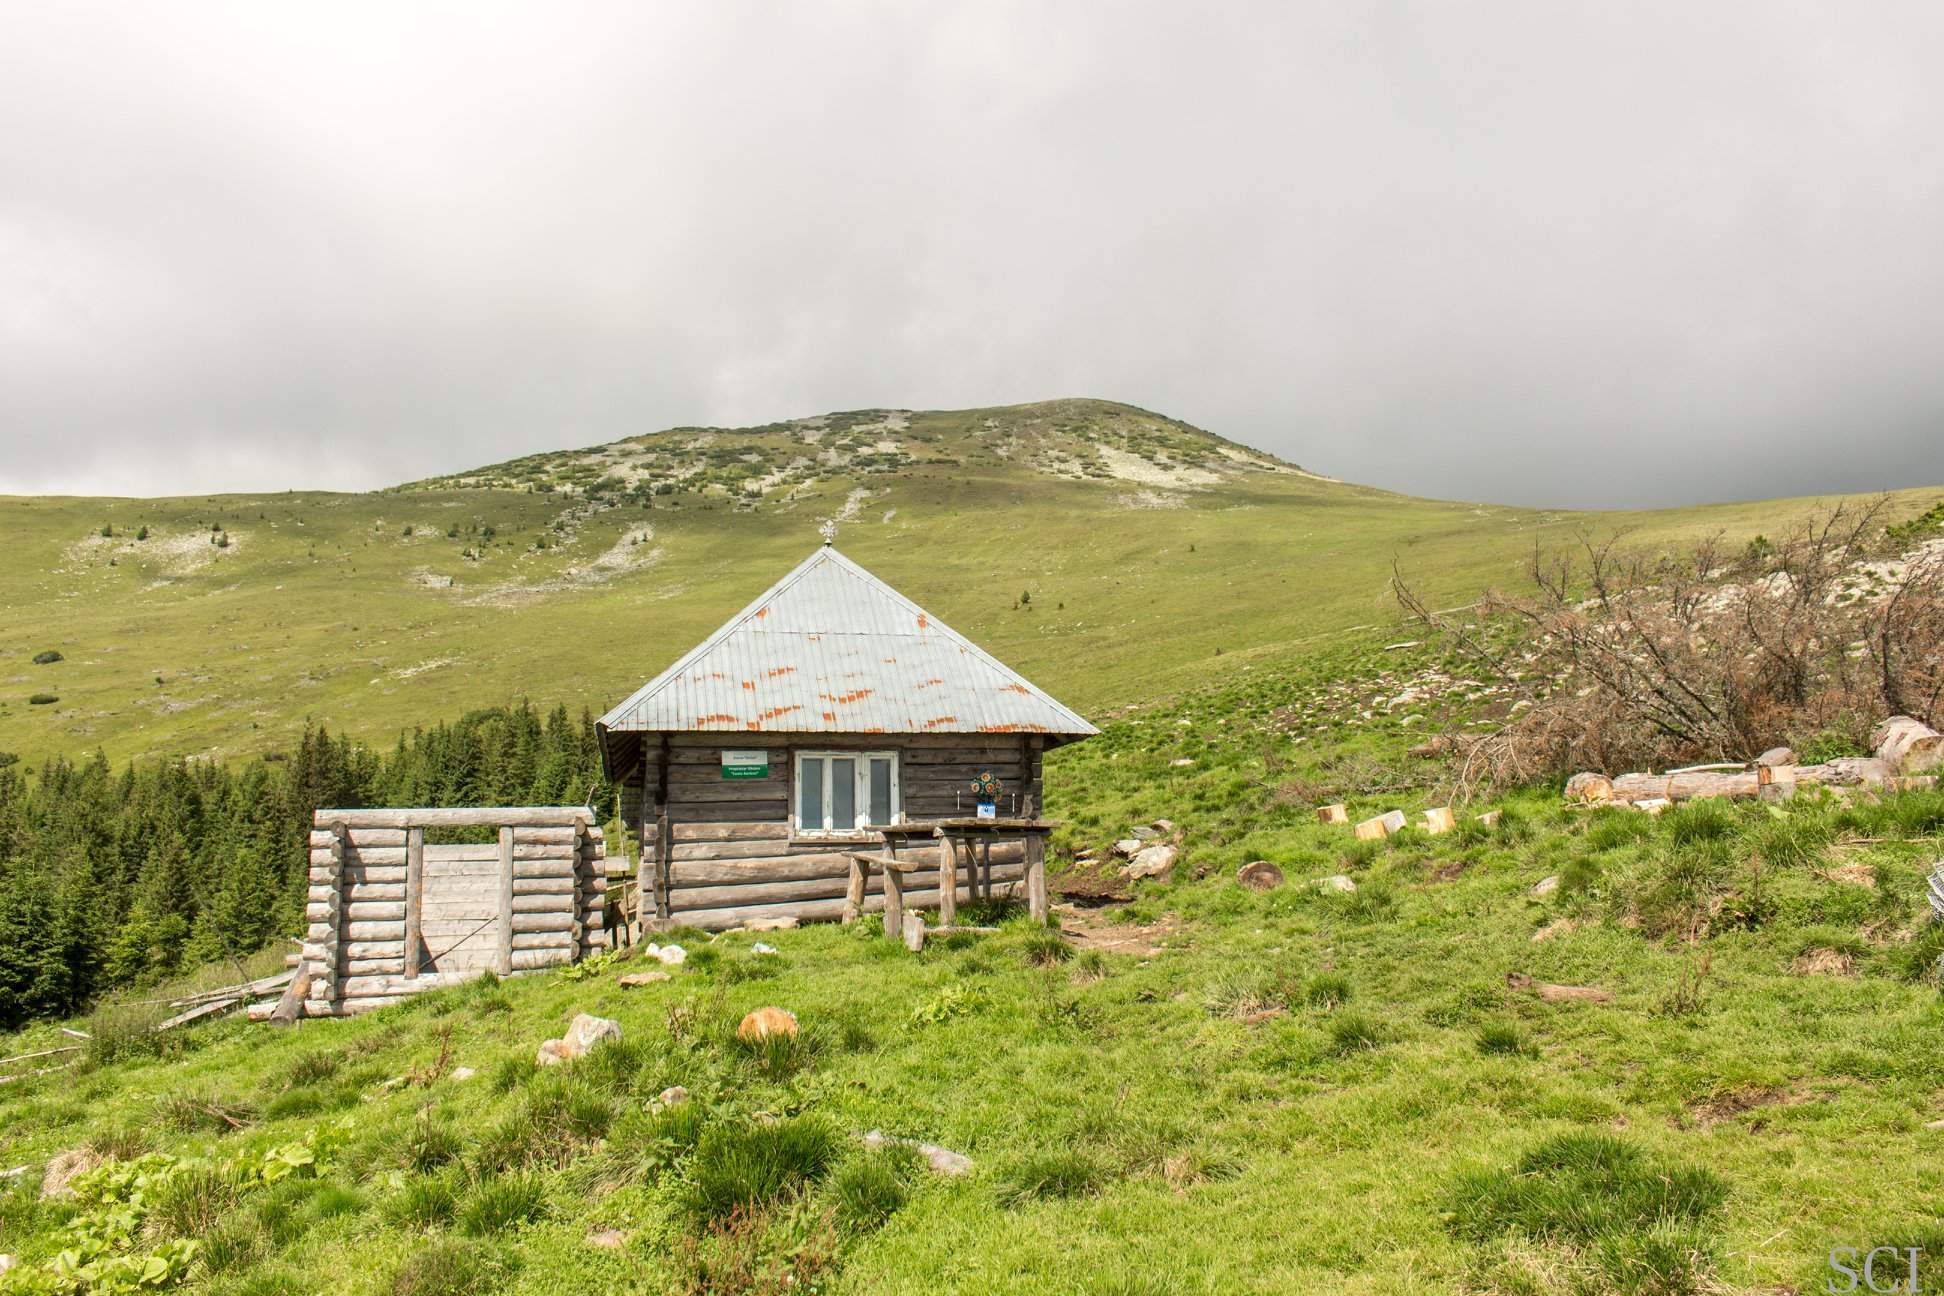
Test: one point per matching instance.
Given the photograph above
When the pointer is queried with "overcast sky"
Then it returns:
(1544, 253)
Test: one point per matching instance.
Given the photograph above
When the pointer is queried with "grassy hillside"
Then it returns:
(1148, 548)
(1208, 1090)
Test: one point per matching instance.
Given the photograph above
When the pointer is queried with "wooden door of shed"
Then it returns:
(459, 914)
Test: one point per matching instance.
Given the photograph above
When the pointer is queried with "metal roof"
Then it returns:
(830, 648)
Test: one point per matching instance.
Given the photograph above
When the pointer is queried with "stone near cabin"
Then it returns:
(1128, 847)
(636, 980)
(770, 924)
(942, 1160)
(1259, 875)
(1545, 886)
(584, 1034)
(1163, 826)
(760, 948)
(1654, 805)
(673, 1096)
(1775, 793)
(765, 1022)
(1143, 833)
(673, 955)
(1153, 862)
(1777, 756)
(1335, 882)
(1589, 789)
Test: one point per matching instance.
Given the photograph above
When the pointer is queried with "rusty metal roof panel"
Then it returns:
(830, 648)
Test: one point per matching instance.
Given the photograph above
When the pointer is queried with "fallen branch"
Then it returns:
(1558, 993)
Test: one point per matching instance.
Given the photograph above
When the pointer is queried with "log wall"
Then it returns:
(718, 852)
(390, 915)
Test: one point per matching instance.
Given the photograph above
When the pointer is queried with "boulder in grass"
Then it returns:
(584, 1034)
(1129, 847)
(942, 1160)
(1259, 875)
(765, 1022)
(635, 980)
(1335, 882)
(1153, 862)
(1545, 886)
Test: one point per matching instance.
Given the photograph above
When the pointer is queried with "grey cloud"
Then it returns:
(1574, 254)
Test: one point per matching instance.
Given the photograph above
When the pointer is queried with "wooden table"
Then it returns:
(972, 836)
(975, 837)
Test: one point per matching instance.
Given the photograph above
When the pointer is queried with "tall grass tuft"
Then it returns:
(500, 1203)
(869, 1189)
(447, 1268)
(1051, 1173)
(1642, 1221)
(1503, 1039)
(752, 1165)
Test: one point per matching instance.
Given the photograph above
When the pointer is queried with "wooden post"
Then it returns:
(664, 870)
(505, 964)
(414, 897)
(984, 889)
(664, 838)
(854, 893)
(947, 881)
(644, 866)
(1036, 876)
(893, 904)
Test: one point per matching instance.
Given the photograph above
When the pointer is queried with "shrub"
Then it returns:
(754, 1165)
(502, 1202)
(447, 1268)
(47, 658)
(42, 699)
(1051, 1173)
(141, 532)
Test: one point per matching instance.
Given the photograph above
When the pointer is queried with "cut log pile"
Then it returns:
(1904, 748)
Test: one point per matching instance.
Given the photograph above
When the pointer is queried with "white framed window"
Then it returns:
(844, 792)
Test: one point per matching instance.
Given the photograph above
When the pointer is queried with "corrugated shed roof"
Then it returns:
(830, 648)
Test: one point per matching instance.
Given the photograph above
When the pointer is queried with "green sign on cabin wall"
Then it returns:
(745, 764)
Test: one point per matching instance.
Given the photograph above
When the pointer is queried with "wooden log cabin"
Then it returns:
(754, 765)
